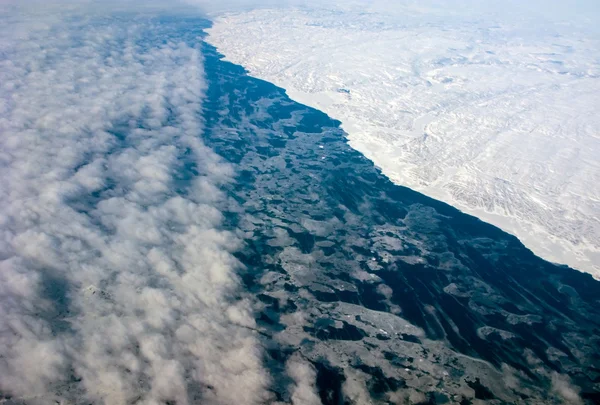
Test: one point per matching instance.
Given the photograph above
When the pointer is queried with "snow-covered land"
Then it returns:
(492, 112)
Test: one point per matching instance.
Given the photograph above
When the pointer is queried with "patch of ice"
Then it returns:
(494, 115)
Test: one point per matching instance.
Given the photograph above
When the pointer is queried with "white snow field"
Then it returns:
(496, 112)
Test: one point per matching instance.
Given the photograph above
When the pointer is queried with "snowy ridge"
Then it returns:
(495, 118)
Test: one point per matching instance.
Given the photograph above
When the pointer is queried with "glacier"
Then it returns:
(493, 111)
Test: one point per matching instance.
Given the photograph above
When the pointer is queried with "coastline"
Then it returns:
(531, 234)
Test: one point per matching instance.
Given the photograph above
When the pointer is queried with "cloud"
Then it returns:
(304, 391)
(564, 389)
(114, 287)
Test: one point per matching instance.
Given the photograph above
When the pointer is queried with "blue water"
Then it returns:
(286, 181)
(327, 235)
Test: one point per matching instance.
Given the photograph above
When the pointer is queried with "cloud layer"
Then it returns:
(117, 283)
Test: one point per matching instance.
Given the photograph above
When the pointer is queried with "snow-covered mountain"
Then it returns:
(492, 111)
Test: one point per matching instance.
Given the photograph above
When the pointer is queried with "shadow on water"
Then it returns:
(57, 291)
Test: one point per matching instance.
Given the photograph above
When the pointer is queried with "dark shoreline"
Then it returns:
(449, 273)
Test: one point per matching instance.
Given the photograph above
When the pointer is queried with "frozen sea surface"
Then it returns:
(174, 231)
(492, 112)
(392, 296)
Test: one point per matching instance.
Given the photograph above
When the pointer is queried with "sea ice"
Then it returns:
(495, 114)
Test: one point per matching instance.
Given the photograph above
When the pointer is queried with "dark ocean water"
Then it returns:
(405, 290)
(393, 297)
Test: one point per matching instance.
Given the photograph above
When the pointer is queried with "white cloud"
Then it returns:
(561, 386)
(112, 286)
(303, 374)
(355, 387)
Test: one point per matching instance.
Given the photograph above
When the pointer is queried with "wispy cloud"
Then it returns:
(117, 282)
(304, 377)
